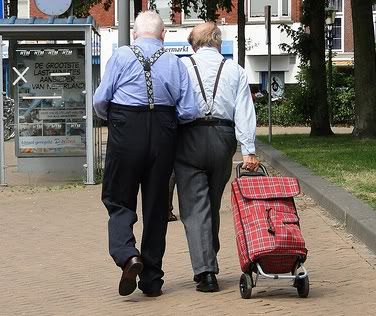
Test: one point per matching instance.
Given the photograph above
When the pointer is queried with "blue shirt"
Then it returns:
(124, 82)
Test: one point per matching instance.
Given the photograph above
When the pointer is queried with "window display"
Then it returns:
(51, 100)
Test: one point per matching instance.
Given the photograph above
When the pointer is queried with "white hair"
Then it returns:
(148, 23)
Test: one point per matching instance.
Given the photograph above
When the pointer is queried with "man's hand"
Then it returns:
(250, 162)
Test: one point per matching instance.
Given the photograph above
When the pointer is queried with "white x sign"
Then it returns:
(20, 75)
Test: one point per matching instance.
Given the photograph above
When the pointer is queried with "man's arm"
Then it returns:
(187, 107)
(104, 93)
(245, 122)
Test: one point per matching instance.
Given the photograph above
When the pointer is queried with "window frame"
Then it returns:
(116, 16)
(165, 21)
(280, 15)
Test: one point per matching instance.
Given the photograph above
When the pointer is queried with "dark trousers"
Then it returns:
(140, 152)
(203, 167)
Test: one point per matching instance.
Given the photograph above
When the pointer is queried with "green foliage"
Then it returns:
(82, 8)
(341, 159)
(206, 9)
(343, 111)
(294, 108)
(301, 42)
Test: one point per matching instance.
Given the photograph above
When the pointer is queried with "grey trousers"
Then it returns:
(203, 167)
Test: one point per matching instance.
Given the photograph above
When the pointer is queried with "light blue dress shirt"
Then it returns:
(233, 100)
(124, 82)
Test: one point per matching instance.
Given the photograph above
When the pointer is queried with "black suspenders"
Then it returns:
(208, 112)
(146, 64)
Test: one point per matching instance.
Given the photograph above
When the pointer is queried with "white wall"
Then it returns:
(256, 49)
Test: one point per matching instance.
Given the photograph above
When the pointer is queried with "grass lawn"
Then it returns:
(348, 162)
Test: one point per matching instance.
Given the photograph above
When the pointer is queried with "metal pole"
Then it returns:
(269, 43)
(330, 69)
(123, 22)
(2, 154)
(89, 107)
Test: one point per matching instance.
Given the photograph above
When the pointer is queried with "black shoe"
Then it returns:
(197, 278)
(208, 283)
(132, 268)
(153, 294)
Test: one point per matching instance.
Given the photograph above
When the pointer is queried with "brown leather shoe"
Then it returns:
(132, 268)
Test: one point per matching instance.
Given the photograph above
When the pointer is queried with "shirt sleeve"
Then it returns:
(245, 116)
(104, 93)
(187, 107)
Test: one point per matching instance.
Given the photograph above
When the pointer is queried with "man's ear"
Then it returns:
(134, 34)
(163, 34)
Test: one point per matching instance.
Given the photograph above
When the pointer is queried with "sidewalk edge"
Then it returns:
(358, 218)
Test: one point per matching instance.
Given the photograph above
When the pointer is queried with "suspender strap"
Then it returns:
(146, 64)
(200, 81)
(217, 79)
(198, 78)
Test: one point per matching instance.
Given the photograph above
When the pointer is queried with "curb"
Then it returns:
(358, 218)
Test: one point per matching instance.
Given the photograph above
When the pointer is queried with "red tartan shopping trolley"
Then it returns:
(268, 235)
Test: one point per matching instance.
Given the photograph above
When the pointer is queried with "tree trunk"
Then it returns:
(365, 69)
(241, 33)
(320, 125)
(137, 7)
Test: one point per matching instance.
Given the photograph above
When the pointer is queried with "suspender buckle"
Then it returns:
(147, 65)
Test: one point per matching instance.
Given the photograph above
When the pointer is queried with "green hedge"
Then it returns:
(293, 109)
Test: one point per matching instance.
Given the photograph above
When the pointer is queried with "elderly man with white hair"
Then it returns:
(143, 93)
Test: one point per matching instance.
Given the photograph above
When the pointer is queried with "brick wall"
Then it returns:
(348, 27)
(296, 10)
(107, 18)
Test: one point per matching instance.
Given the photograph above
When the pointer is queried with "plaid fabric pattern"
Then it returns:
(266, 223)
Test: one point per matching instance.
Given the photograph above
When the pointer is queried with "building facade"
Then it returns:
(284, 66)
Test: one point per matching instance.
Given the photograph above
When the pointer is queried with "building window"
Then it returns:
(280, 8)
(337, 4)
(337, 34)
(131, 12)
(193, 15)
(164, 9)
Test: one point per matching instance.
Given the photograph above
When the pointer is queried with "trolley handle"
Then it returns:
(240, 173)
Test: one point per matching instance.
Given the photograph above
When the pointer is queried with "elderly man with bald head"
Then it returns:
(143, 93)
(206, 146)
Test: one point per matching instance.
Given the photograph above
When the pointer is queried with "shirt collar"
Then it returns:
(207, 49)
(148, 40)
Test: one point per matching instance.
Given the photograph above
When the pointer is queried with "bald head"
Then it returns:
(148, 24)
(205, 35)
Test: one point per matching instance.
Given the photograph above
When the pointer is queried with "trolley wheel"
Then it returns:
(245, 285)
(302, 285)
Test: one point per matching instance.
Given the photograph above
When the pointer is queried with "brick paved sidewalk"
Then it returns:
(54, 261)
